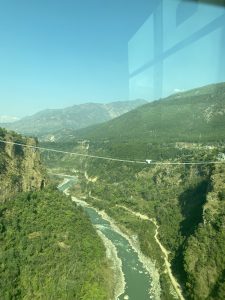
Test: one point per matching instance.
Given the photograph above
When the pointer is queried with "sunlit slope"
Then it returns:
(194, 116)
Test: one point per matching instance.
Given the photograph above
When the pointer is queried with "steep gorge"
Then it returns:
(187, 202)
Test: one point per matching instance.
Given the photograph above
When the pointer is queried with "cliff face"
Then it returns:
(20, 167)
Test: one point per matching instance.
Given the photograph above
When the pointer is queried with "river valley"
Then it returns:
(135, 275)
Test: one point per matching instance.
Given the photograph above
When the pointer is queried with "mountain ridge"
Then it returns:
(188, 116)
(46, 122)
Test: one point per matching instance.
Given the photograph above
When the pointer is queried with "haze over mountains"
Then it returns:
(8, 119)
(47, 122)
(196, 116)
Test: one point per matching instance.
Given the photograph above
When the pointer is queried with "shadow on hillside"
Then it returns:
(191, 203)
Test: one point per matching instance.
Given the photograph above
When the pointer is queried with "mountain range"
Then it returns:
(8, 119)
(197, 115)
(46, 123)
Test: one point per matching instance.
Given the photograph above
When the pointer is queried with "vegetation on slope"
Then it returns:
(188, 208)
(204, 259)
(48, 247)
(193, 116)
(49, 250)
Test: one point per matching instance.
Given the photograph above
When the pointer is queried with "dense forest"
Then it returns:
(50, 250)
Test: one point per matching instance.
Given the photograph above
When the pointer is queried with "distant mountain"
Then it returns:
(197, 115)
(45, 123)
(8, 119)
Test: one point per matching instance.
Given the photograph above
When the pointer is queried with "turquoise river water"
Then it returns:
(137, 278)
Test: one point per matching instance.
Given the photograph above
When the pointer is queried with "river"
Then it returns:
(139, 283)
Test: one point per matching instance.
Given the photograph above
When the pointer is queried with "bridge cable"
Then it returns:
(114, 159)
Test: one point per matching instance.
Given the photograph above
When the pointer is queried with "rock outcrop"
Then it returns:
(20, 166)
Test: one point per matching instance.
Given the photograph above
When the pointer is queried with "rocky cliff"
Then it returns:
(20, 167)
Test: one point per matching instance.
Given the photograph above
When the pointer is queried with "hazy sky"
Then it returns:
(56, 53)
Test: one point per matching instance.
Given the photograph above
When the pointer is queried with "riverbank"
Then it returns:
(111, 254)
(163, 249)
(149, 266)
(175, 288)
(116, 264)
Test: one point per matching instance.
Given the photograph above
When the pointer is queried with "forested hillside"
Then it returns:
(49, 250)
(48, 247)
(204, 259)
(196, 116)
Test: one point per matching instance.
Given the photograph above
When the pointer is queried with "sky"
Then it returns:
(179, 47)
(57, 53)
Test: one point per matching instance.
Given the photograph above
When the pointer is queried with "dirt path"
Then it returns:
(163, 249)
